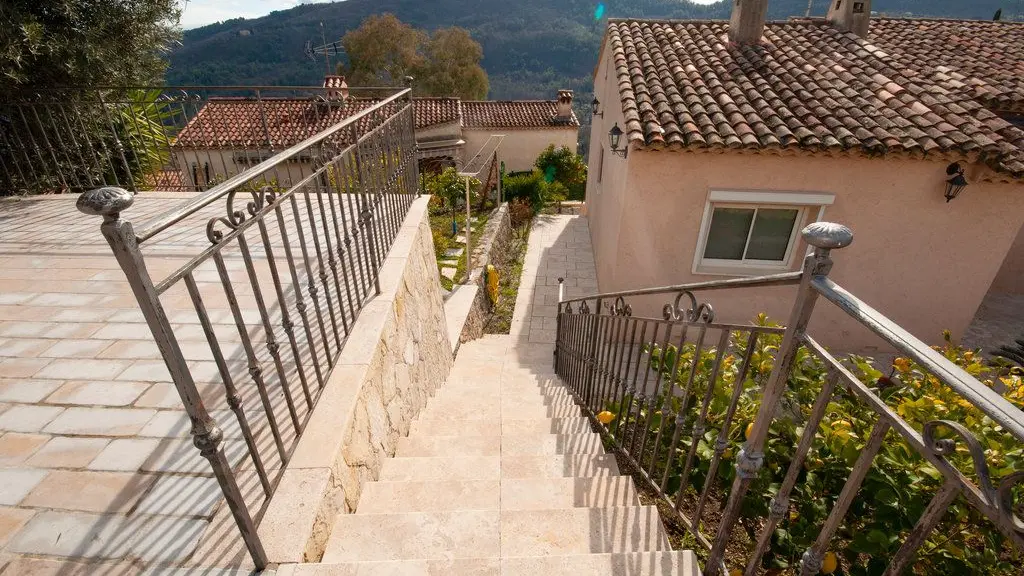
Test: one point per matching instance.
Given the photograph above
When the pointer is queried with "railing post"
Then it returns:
(824, 237)
(558, 321)
(207, 437)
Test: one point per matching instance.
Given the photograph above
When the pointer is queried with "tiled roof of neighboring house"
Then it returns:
(808, 87)
(431, 111)
(989, 53)
(514, 114)
(239, 122)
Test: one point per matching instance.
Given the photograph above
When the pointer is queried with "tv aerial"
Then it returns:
(328, 49)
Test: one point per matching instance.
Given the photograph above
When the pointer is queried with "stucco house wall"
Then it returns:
(1010, 279)
(923, 262)
(520, 147)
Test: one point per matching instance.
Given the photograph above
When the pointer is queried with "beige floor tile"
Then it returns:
(100, 421)
(103, 393)
(67, 452)
(26, 390)
(16, 447)
(11, 520)
(87, 491)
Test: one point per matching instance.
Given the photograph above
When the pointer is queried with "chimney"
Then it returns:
(850, 16)
(564, 106)
(746, 25)
(336, 87)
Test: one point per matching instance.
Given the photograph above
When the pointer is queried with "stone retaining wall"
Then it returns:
(397, 354)
(493, 249)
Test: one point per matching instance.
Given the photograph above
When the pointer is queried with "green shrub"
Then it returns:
(566, 167)
(528, 187)
(898, 486)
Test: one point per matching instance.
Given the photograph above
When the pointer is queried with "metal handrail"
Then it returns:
(986, 399)
(651, 386)
(783, 279)
(167, 219)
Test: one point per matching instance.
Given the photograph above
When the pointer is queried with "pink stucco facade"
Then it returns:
(520, 147)
(923, 262)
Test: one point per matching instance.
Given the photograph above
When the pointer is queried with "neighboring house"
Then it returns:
(737, 134)
(228, 135)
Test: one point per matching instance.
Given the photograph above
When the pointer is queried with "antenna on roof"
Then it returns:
(328, 50)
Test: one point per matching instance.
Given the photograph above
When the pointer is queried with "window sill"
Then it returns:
(740, 271)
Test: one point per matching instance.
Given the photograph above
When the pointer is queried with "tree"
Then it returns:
(384, 50)
(566, 167)
(452, 66)
(61, 43)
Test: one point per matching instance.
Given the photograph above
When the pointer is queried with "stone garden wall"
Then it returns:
(397, 354)
(492, 249)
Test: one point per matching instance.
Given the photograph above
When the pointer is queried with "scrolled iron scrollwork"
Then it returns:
(696, 312)
(235, 218)
(620, 308)
(584, 307)
(1001, 497)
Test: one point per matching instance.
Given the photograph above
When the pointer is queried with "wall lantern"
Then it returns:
(595, 107)
(956, 183)
(615, 134)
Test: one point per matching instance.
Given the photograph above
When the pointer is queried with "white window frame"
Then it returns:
(806, 205)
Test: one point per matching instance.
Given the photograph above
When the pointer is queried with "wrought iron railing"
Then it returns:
(668, 393)
(275, 284)
(146, 138)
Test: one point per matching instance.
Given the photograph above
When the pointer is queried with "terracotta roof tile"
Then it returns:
(514, 114)
(808, 86)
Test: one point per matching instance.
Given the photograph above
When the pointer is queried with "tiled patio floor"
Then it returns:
(96, 459)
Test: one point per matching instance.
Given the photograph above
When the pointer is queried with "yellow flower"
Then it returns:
(901, 364)
(605, 417)
(829, 563)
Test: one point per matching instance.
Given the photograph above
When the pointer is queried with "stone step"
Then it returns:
(447, 398)
(567, 425)
(467, 409)
(438, 495)
(558, 466)
(551, 493)
(435, 426)
(582, 531)
(429, 468)
(584, 443)
(526, 392)
(444, 567)
(414, 536)
(674, 563)
(448, 445)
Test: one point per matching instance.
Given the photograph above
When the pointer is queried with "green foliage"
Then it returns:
(450, 187)
(384, 50)
(452, 66)
(528, 187)
(569, 170)
(898, 486)
(62, 43)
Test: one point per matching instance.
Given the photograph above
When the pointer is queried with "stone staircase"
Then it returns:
(501, 475)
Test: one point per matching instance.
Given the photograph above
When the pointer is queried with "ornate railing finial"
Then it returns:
(108, 202)
(827, 235)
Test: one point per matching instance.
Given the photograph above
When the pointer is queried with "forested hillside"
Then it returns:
(531, 47)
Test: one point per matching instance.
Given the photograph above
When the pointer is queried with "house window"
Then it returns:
(746, 233)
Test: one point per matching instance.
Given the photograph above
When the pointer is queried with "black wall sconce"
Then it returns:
(614, 135)
(956, 182)
(595, 107)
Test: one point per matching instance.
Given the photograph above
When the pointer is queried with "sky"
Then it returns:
(202, 12)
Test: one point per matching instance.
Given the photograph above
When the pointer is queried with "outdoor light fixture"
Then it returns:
(594, 107)
(956, 183)
(614, 135)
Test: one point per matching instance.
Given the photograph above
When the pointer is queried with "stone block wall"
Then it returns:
(493, 249)
(396, 355)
